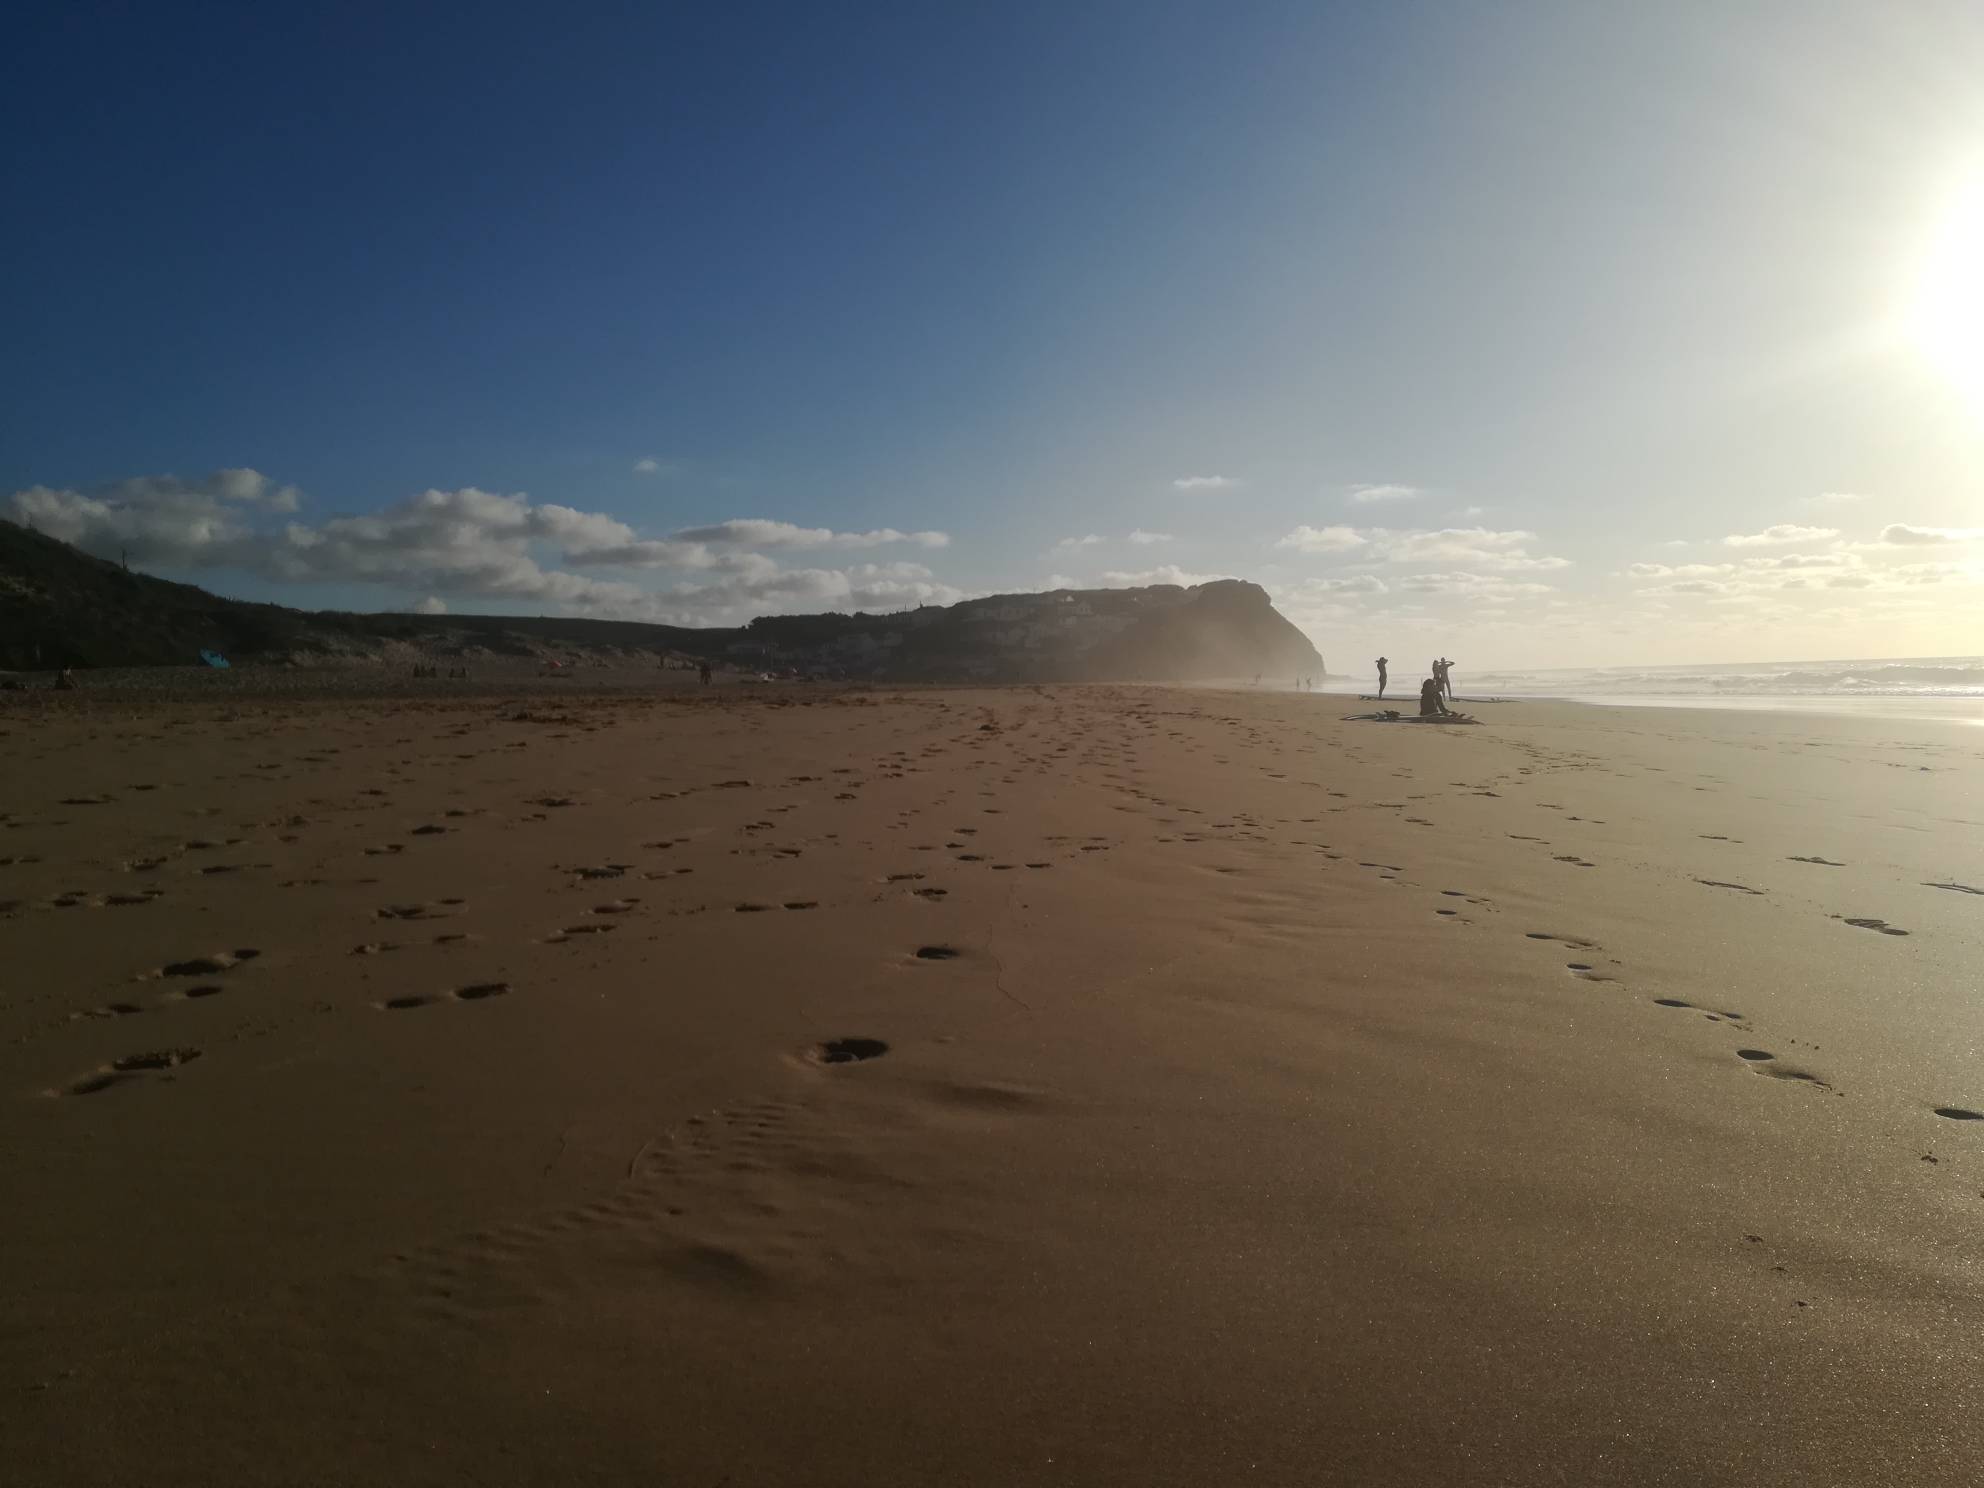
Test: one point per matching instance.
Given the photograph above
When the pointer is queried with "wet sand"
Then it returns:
(1066, 1085)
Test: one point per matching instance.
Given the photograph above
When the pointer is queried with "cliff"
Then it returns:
(62, 607)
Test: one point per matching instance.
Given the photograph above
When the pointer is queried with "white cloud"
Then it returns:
(156, 518)
(1371, 495)
(1470, 584)
(1478, 547)
(1902, 535)
(481, 545)
(1143, 538)
(1835, 498)
(1474, 547)
(756, 532)
(647, 467)
(1782, 535)
(432, 605)
(1205, 483)
(1680, 571)
(1307, 539)
(1169, 573)
(1068, 543)
(1355, 584)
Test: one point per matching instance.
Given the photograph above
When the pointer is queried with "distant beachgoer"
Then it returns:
(1381, 679)
(1442, 673)
(704, 669)
(1430, 705)
(64, 682)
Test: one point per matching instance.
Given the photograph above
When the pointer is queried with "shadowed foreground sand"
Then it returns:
(1094, 1085)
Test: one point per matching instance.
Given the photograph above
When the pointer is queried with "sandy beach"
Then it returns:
(1081, 1085)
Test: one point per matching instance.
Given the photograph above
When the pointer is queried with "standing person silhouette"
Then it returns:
(1443, 669)
(1381, 679)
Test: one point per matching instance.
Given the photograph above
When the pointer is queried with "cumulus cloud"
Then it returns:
(1205, 483)
(1169, 573)
(482, 545)
(155, 518)
(1470, 547)
(1682, 570)
(1306, 539)
(1477, 547)
(1355, 584)
(647, 467)
(1471, 584)
(756, 532)
(1088, 540)
(1902, 535)
(1781, 535)
(1144, 539)
(1371, 495)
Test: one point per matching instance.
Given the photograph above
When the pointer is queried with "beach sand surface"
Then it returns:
(1124, 1085)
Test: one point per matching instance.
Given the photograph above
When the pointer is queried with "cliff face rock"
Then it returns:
(1162, 633)
(61, 607)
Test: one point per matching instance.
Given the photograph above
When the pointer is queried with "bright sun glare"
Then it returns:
(1946, 316)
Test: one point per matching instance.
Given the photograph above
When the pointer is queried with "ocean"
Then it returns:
(1950, 687)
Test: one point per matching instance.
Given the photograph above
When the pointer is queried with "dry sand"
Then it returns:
(439, 1092)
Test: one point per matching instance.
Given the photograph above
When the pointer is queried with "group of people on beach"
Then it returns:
(1435, 693)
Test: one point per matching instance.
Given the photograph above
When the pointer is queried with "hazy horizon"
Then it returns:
(1543, 338)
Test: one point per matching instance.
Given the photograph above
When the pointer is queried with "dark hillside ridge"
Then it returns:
(61, 607)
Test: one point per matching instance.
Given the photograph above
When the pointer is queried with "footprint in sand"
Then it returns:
(1823, 862)
(1864, 923)
(1716, 883)
(1954, 887)
(1763, 1062)
(212, 965)
(474, 992)
(440, 909)
(1576, 943)
(130, 1067)
(1959, 1113)
(847, 1050)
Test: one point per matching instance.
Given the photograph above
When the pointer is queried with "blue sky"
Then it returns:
(1552, 333)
